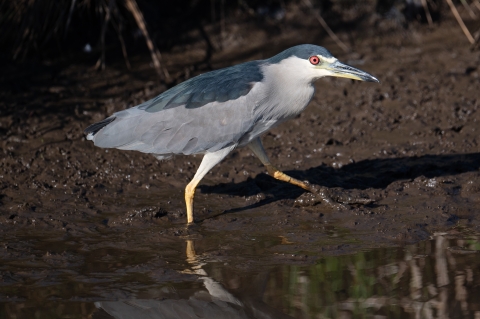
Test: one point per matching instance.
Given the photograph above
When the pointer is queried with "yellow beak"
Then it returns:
(342, 70)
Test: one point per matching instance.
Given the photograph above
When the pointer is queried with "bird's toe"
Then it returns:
(352, 197)
(336, 199)
(316, 195)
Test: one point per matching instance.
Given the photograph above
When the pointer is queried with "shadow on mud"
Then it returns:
(376, 173)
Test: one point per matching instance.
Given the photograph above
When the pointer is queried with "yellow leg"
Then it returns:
(320, 193)
(189, 194)
(257, 148)
(191, 255)
(277, 174)
(208, 161)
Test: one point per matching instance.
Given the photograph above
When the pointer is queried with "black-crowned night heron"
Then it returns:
(218, 111)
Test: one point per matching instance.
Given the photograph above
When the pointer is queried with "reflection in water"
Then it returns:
(435, 279)
(215, 289)
(439, 278)
(217, 303)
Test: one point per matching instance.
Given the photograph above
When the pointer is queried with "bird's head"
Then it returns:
(314, 62)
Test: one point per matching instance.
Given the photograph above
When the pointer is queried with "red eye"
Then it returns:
(314, 60)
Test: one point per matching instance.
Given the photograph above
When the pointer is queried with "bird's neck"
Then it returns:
(287, 93)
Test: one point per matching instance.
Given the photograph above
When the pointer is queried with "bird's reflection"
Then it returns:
(214, 288)
(215, 302)
(433, 279)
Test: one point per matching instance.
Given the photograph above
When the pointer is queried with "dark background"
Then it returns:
(46, 29)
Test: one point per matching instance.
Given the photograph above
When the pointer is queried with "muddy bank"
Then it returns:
(409, 142)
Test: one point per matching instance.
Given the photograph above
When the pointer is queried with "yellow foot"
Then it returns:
(281, 176)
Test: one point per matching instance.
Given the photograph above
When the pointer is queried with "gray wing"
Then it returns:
(204, 114)
(217, 86)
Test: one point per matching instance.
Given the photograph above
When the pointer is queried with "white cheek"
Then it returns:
(320, 73)
(295, 71)
(329, 60)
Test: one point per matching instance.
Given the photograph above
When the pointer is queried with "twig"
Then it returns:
(477, 4)
(119, 28)
(155, 54)
(72, 6)
(470, 11)
(101, 61)
(222, 23)
(319, 18)
(433, 5)
(460, 22)
(427, 12)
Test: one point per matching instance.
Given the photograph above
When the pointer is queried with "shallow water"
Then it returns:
(438, 278)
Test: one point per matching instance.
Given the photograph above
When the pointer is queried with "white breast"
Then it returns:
(286, 90)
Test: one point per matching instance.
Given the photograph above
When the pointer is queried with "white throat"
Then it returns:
(289, 86)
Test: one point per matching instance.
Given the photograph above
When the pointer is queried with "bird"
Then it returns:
(221, 110)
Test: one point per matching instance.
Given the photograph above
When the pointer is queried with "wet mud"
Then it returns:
(410, 144)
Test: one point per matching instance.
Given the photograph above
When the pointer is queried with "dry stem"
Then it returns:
(155, 54)
(460, 22)
(319, 18)
(427, 12)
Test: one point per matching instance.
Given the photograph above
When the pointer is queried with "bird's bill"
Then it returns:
(342, 70)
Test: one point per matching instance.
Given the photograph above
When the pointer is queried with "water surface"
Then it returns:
(438, 278)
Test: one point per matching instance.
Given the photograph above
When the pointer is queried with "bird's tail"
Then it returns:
(94, 128)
